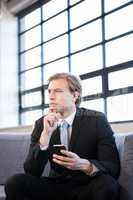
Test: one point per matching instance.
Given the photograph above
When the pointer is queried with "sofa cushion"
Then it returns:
(13, 150)
(2, 193)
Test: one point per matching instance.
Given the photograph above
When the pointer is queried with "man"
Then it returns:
(90, 166)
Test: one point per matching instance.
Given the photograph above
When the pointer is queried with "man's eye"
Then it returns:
(58, 90)
(55, 91)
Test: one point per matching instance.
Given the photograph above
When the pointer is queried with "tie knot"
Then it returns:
(64, 124)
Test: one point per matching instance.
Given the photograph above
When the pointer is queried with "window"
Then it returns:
(120, 107)
(49, 30)
(91, 39)
(119, 22)
(31, 99)
(87, 61)
(31, 79)
(27, 60)
(92, 86)
(120, 79)
(119, 50)
(55, 67)
(85, 36)
(30, 20)
(88, 10)
(96, 104)
(50, 48)
(31, 38)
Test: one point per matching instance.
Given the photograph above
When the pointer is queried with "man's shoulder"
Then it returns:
(39, 120)
(84, 112)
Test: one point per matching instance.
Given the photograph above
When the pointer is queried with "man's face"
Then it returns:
(60, 98)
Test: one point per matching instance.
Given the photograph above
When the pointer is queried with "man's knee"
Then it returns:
(14, 183)
(106, 186)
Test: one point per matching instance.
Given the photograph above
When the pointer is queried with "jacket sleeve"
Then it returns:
(36, 158)
(107, 154)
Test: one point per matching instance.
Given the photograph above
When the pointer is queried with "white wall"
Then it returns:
(8, 69)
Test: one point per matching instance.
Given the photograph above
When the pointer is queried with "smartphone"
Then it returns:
(56, 148)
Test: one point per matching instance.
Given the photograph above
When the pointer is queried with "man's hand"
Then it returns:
(72, 161)
(50, 124)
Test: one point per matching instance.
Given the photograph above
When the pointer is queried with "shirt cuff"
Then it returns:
(94, 170)
(43, 148)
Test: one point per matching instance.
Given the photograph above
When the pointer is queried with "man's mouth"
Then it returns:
(53, 107)
(52, 104)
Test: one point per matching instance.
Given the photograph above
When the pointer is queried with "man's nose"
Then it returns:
(51, 95)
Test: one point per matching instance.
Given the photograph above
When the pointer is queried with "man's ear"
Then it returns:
(76, 95)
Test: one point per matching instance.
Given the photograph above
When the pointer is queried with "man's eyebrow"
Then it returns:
(55, 89)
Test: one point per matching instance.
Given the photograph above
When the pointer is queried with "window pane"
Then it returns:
(120, 50)
(120, 108)
(31, 99)
(73, 1)
(49, 28)
(30, 20)
(86, 36)
(31, 79)
(31, 38)
(122, 78)
(46, 97)
(30, 117)
(55, 48)
(45, 111)
(53, 7)
(27, 60)
(87, 9)
(109, 5)
(97, 104)
(87, 61)
(113, 21)
(92, 86)
(55, 67)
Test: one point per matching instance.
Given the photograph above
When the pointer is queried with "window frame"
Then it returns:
(102, 72)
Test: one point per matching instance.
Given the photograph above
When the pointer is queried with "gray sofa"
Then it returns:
(14, 147)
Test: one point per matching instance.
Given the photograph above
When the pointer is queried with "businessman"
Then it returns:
(89, 166)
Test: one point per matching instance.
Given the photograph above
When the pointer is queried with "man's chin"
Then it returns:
(52, 108)
(60, 110)
(56, 109)
(63, 110)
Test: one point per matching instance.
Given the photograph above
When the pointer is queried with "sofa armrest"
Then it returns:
(125, 147)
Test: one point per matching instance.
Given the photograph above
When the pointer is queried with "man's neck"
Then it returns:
(68, 113)
(69, 119)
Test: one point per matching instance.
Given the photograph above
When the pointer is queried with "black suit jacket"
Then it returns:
(92, 138)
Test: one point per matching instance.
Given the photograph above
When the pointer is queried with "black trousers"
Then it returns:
(27, 187)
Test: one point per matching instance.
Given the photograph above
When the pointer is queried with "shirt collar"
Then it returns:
(68, 119)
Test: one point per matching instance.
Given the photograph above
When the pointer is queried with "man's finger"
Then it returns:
(68, 153)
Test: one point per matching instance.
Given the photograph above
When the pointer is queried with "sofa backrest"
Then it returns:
(13, 150)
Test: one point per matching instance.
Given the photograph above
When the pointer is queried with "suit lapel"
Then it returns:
(76, 129)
